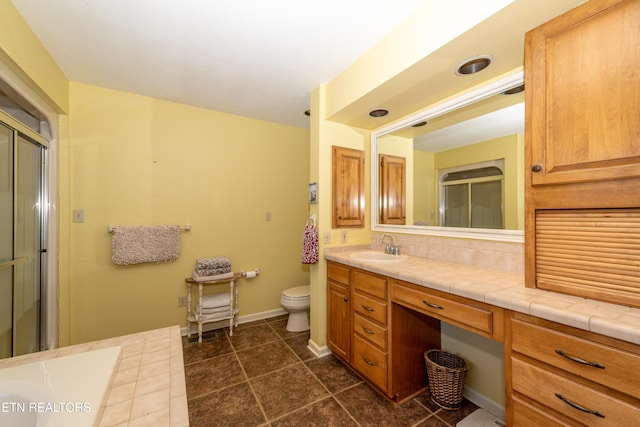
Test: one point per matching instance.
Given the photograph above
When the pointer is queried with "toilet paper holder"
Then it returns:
(250, 274)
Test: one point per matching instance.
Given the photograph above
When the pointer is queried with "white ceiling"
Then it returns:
(255, 58)
(507, 121)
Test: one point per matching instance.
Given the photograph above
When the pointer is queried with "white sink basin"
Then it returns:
(377, 257)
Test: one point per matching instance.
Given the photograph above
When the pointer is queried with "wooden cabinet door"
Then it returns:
(348, 187)
(339, 320)
(393, 184)
(583, 95)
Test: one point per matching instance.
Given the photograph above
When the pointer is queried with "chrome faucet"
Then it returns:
(390, 248)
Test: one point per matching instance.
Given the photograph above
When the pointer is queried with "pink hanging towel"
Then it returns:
(310, 245)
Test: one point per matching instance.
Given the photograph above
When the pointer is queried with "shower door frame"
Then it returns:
(22, 132)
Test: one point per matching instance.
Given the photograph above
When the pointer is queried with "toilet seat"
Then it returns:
(297, 293)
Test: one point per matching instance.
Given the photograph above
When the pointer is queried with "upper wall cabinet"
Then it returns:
(348, 187)
(582, 156)
(583, 94)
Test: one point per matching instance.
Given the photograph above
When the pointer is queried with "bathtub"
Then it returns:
(60, 392)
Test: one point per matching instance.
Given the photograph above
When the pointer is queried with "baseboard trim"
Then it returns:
(484, 402)
(241, 319)
(318, 351)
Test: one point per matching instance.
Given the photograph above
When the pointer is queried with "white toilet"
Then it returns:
(297, 302)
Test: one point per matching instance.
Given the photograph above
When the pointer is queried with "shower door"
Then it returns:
(21, 243)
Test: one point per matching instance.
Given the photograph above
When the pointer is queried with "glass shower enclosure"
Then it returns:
(22, 243)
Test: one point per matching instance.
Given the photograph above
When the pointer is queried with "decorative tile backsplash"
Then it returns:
(503, 256)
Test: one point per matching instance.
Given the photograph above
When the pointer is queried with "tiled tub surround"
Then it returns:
(148, 384)
(500, 288)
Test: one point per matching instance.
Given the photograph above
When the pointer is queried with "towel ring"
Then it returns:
(312, 218)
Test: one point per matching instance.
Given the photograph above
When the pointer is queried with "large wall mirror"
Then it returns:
(456, 169)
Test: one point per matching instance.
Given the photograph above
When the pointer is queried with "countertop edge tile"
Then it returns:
(624, 327)
(506, 290)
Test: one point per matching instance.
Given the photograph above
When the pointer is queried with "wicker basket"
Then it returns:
(446, 373)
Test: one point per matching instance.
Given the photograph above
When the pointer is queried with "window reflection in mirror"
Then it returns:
(472, 196)
(463, 168)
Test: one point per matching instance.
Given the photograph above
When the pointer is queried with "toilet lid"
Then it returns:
(298, 292)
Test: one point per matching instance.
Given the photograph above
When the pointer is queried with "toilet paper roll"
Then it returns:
(250, 274)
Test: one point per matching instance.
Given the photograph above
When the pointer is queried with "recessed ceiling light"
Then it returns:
(514, 90)
(419, 124)
(474, 65)
(379, 113)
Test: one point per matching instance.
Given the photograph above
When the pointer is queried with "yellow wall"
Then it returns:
(484, 358)
(325, 134)
(137, 161)
(424, 194)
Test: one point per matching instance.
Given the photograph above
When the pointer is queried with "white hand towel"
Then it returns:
(205, 310)
(214, 316)
(215, 300)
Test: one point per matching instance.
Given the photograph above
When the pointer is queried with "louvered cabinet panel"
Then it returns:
(589, 252)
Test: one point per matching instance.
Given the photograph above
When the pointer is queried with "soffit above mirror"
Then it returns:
(433, 79)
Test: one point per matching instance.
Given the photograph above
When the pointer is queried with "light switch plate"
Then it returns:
(78, 215)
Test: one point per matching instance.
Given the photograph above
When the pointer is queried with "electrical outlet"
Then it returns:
(344, 236)
(327, 237)
(267, 216)
(182, 301)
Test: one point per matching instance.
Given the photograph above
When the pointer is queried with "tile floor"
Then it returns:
(264, 376)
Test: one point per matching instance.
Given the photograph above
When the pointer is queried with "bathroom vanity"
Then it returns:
(568, 360)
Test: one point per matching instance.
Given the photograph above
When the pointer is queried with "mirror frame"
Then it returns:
(493, 88)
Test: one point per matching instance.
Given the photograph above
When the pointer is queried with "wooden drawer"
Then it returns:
(619, 368)
(370, 331)
(527, 415)
(338, 273)
(370, 284)
(370, 362)
(549, 388)
(370, 308)
(443, 306)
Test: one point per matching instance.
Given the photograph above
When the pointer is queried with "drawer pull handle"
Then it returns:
(368, 362)
(432, 305)
(367, 307)
(578, 407)
(370, 332)
(578, 360)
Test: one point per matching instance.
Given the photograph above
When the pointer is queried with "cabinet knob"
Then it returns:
(536, 168)
(346, 299)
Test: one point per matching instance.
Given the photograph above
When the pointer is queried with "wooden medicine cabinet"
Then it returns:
(393, 184)
(348, 187)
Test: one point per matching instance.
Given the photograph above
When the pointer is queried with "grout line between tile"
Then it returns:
(253, 392)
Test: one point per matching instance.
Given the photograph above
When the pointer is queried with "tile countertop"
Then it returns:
(148, 385)
(504, 290)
